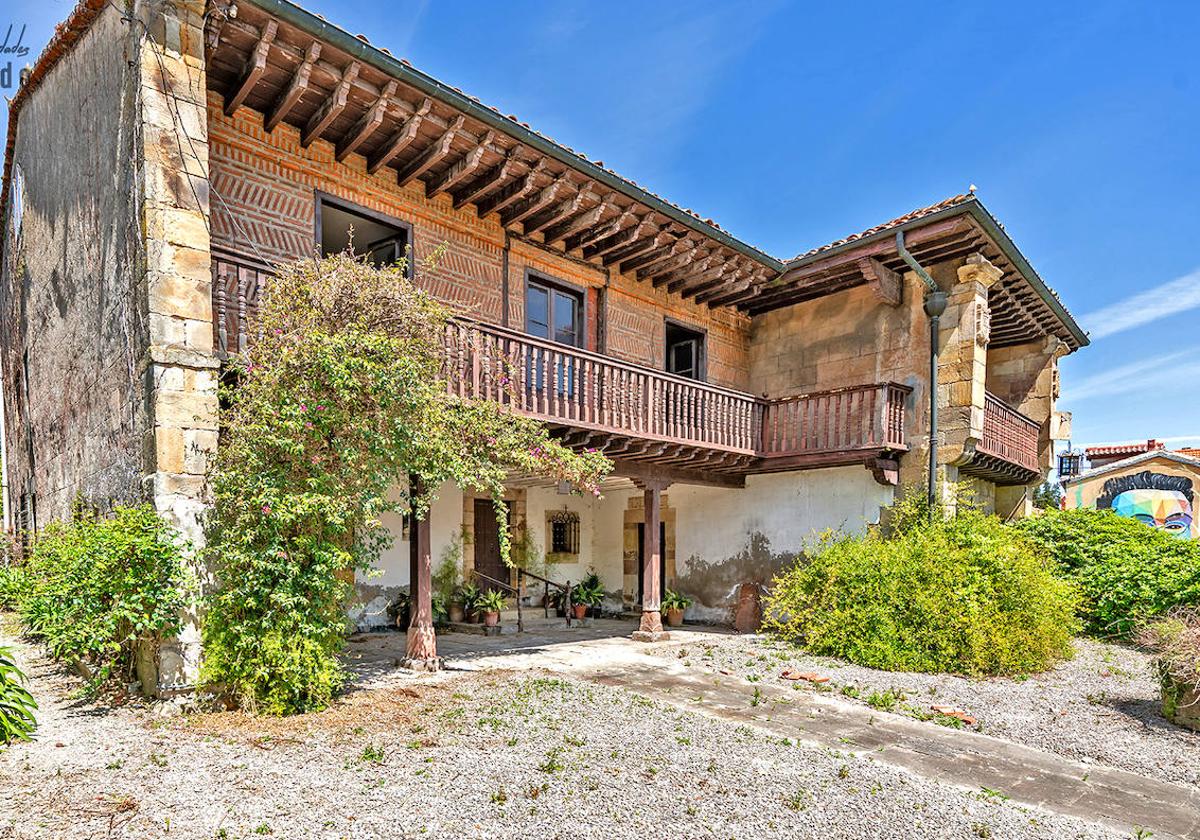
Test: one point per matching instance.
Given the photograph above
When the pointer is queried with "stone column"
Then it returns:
(650, 628)
(420, 652)
(962, 367)
(181, 368)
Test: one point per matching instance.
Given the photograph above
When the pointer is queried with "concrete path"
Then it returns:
(1123, 800)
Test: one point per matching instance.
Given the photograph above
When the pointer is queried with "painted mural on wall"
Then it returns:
(1161, 501)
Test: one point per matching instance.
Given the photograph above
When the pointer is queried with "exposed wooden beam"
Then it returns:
(582, 222)
(619, 239)
(726, 294)
(513, 192)
(431, 156)
(884, 282)
(680, 257)
(587, 237)
(333, 107)
(491, 179)
(461, 170)
(559, 212)
(531, 205)
(642, 244)
(256, 65)
(692, 284)
(673, 246)
(295, 89)
(697, 264)
(366, 126)
(401, 140)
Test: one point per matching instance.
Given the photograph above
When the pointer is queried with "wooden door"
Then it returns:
(487, 544)
(662, 559)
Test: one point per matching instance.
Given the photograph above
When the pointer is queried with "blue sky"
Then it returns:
(793, 124)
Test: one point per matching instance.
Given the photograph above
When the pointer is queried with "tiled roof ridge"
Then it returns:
(1148, 445)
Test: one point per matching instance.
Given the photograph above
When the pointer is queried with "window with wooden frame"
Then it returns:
(342, 225)
(562, 534)
(553, 310)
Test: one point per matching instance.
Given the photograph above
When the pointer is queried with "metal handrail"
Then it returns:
(508, 586)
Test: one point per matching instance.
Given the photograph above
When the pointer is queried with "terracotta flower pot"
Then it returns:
(457, 612)
(580, 611)
(674, 617)
(491, 619)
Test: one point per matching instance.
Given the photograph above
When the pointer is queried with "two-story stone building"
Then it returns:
(159, 163)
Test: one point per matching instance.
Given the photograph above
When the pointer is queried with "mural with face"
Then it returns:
(1161, 501)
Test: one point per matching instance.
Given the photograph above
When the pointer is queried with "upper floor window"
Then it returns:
(383, 241)
(685, 351)
(553, 312)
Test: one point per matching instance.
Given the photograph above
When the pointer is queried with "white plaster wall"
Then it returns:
(725, 537)
(600, 534)
(375, 589)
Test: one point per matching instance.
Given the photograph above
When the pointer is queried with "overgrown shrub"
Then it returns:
(1176, 640)
(1126, 571)
(965, 595)
(16, 703)
(14, 581)
(342, 396)
(96, 585)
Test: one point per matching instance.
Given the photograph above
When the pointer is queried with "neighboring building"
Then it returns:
(1102, 456)
(156, 169)
(1153, 485)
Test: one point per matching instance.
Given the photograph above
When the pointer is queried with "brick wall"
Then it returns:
(264, 187)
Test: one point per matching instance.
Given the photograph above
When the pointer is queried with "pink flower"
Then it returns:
(307, 424)
(303, 407)
(266, 509)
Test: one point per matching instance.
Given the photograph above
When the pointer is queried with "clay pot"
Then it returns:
(580, 610)
(458, 613)
(491, 619)
(673, 617)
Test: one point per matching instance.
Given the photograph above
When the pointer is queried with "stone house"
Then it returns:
(159, 162)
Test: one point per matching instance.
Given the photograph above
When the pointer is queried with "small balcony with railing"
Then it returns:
(1009, 449)
(645, 419)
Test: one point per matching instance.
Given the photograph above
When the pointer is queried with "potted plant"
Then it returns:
(469, 594)
(595, 593)
(457, 606)
(582, 598)
(673, 605)
(491, 604)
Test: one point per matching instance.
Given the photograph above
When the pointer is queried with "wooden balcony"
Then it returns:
(646, 420)
(1008, 451)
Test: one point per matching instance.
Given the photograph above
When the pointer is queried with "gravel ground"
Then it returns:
(1102, 706)
(464, 755)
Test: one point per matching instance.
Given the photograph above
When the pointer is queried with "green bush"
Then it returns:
(13, 584)
(966, 595)
(95, 585)
(16, 703)
(1125, 570)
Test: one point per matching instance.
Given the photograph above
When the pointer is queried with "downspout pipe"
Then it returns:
(935, 305)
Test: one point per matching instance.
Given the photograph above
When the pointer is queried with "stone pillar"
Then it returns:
(650, 629)
(962, 368)
(420, 652)
(181, 368)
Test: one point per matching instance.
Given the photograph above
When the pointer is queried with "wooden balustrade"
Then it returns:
(1009, 435)
(567, 386)
(846, 419)
(561, 384)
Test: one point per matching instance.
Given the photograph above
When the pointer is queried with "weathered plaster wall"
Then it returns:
(74, 312)
(267, 185)
(727, 537)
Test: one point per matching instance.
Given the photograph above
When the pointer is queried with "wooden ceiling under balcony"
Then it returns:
(284, 73)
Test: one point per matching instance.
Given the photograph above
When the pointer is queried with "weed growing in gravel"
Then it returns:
(158, 760)
(116, 764)
(500, 796)
(988, 794)
(843, 772)
(756, 698)
(552, 764)
(885, 700)
(981, 830)
(851, 691)
(798, 801)
(371, 754)
(263, 828)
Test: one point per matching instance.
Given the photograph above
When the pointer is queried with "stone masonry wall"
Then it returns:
(267, 183)
(74, 321)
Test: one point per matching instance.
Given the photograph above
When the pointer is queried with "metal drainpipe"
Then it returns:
(935, 305)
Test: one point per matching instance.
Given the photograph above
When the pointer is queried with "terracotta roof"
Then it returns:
(1190, 451)
(1105, 451)
(911, 216)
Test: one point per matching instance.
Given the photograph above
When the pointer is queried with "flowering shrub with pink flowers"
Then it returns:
(341, 398)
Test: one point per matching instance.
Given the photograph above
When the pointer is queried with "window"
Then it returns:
(382, 241)
(553, 312)
(685, 351)
(563, 526)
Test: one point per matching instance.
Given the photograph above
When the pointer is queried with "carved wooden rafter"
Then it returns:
(531, 205)
(643, 246)
(256, 65)
(401, 140)
(367, 124)
(586, 236)
(884, 282)
(583, 222)
(491, 179)
(561, 211)
(462, 169)
(295, 89)
(619, 240)
(684, 252)
(699, 262)
(511, 193)
(431, 156)
(333, 107)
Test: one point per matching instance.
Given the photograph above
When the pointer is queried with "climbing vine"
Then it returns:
(342, 396)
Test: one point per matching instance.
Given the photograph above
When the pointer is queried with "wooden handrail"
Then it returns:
(1009, 435)
(570, 386)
